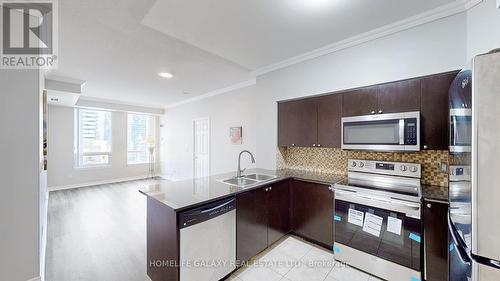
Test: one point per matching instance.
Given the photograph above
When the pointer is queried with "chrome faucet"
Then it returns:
(239, 171)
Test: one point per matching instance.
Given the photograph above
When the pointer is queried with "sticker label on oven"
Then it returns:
(394, 225)
(355, 217)
(373, 224)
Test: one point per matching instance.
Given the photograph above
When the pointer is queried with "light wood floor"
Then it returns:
(97, 233)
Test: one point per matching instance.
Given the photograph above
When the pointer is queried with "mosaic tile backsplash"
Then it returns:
(334, 161)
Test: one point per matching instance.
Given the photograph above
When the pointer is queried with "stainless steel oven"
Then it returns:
(378, 219)
(382, 132)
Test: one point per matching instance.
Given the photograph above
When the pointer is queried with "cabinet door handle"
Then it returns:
(319, 144)
(429, 205)
(425, 146)
(373, 112)
(270, 188)
(293, 144)
(380, 111)
(314, 144)
(266, 189)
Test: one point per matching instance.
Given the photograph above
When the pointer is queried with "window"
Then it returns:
(93, 142)
(140, 138)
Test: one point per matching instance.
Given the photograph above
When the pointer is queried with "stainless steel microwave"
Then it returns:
(460, 130)
(382, 132)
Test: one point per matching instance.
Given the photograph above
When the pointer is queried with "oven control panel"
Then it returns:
(384, 167)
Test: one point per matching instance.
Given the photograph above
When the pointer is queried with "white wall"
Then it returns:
(61, 170)
(20, 173)
(483, 28)
(225, 111)
(431, 48)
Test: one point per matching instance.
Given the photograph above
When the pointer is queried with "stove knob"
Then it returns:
(361, 164)
(353, 164)
(413, 169)
(402, 168)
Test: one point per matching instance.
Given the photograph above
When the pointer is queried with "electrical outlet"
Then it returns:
(443, 167)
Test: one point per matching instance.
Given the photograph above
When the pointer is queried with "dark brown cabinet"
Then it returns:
(329, 120)
(278, 211)
(311, 122)
(312, 211)
(297, 123)
(435, 227)
(262, 218)
(362, 101)
(434, 110)
(402, 96)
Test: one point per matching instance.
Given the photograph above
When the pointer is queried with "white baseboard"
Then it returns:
(38, 278)
(62, 187)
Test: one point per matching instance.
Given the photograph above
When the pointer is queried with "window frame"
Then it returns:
(152, 127)
(77, 148)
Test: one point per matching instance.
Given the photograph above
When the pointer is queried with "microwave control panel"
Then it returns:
(411, 131)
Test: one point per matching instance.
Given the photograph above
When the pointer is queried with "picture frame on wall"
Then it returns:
(236, 135)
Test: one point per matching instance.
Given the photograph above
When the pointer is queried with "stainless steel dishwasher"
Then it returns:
(208, 241)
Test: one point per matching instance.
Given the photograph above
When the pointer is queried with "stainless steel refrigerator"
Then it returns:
(474, 182)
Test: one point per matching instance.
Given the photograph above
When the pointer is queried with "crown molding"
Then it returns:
(447, 10)
(231, 88)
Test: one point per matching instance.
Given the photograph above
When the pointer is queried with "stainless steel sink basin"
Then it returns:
(248, 180)
(259, 177)
(241, 182)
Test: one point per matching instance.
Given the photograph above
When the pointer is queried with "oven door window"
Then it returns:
(400, 249)
(460, 130)
(373, 132)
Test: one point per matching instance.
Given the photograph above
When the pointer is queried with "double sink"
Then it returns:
(248, 180)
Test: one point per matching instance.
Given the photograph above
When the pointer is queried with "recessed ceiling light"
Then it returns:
(165, 75)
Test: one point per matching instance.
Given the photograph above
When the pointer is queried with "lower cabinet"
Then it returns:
(312, 211)
(262, 218)
(435, 227)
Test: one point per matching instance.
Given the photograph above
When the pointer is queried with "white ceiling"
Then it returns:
(119, 46)
(104, 43)
(258, 33)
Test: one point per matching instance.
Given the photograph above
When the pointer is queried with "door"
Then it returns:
(435, 241)
(360, 102)
(312, 211)
(201, 147)
(251, 224)
(297, 123)
(434, 111)
(402, 96)
(278, 211)
(329, 120)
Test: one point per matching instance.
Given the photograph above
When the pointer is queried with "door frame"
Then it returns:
(193, 142)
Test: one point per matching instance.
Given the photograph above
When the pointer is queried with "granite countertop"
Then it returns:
(185, 194)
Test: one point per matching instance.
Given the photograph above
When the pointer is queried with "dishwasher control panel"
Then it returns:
(206, 212)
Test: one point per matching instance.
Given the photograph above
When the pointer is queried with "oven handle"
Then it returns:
(390, 202)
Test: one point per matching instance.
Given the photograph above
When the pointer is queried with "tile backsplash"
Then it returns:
(334, 161)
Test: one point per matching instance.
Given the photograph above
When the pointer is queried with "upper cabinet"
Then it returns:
(297, 123)
(362, 101)
(329, 117)
(316, 121)
(402, 96)
(434, 110)
(312, 122)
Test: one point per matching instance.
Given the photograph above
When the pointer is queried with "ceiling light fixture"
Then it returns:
(165, 75)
